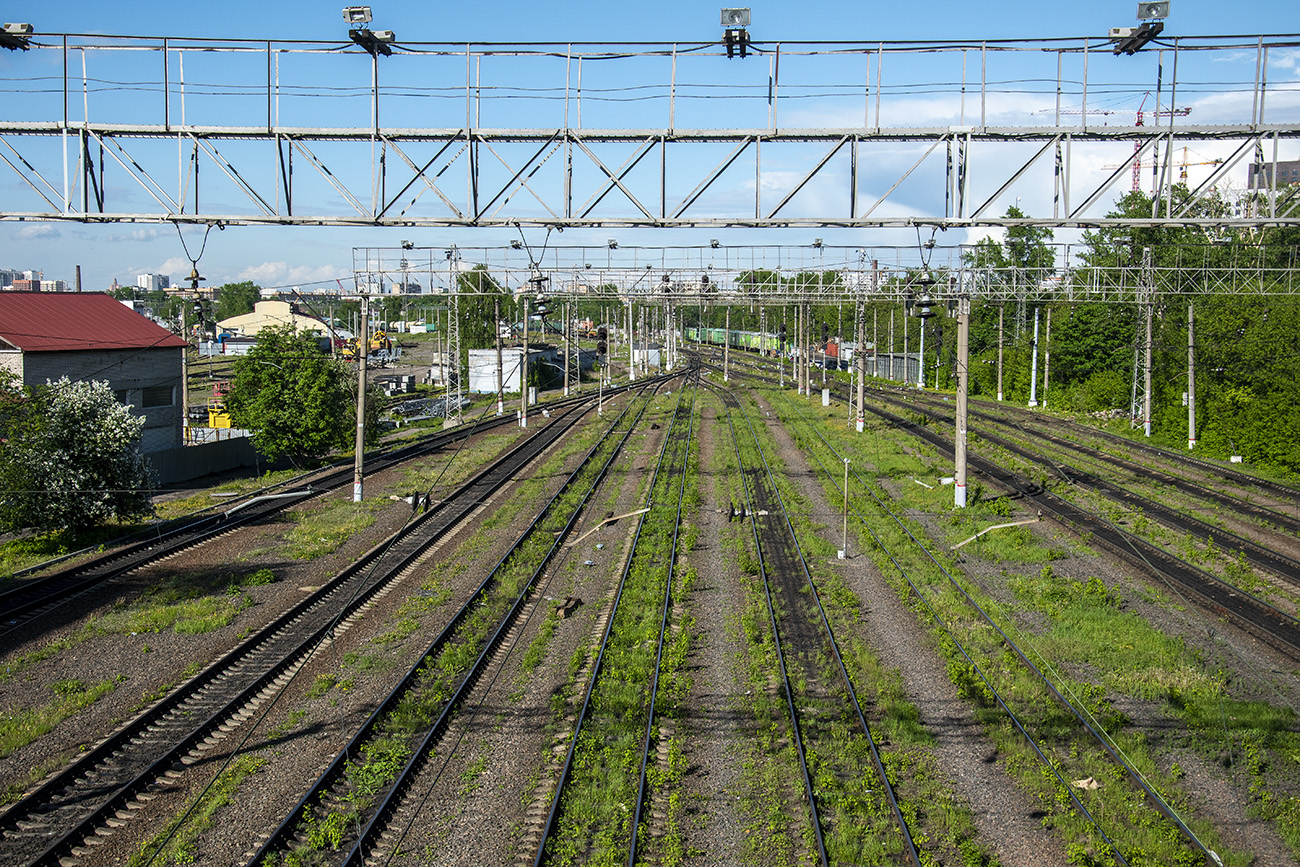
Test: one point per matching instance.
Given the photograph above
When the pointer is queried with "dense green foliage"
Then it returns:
(236, 299)
(296, 400)
(69, 457)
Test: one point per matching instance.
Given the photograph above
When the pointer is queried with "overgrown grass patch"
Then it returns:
(177, 844)
(184, 603)
(1094, 650)
(322, 530)
(20, 726)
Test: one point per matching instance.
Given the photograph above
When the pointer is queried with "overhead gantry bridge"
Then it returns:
(942, 133)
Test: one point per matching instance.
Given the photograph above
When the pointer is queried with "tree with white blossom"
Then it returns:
(70, 457)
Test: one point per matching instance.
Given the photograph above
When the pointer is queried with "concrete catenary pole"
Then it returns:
(1033, 365)
(501, 382)
(1047, 356)
(1001, 311)
(363, 350)
(963, 392)
(1191, 383)
(523, 370)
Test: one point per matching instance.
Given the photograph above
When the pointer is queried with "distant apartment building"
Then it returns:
(25, 285)
(8, 278)
(152, 282)
(53, 286)
(1260, 175)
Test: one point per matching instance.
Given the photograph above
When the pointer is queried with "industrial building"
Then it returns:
(92, 337)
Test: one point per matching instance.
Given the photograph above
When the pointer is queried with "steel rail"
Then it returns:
(1290, 493)
(910, 851)
(1012, 716)
(553, 813)
(1275, 562)
(1248, 611)
(663, 619)
(1123, 545)
(130, 759)
(1263, 513)
(37, 596)
(281, 838)
(795, 729)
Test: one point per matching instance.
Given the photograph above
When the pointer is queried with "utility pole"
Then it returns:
(963, 392)
(1047, 356)
(1001, 311)
(862, 366)
(920, 368)
(889, 372)
(523, 370)
(1191, 384)
(1033, 365)
(185, 371)
(501, 384)
(363, 350)
(566, 348)
(726, 347)
(631, 343)
(907, 366)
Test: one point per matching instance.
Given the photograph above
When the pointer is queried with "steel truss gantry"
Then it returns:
(882, 134)
(845, 275)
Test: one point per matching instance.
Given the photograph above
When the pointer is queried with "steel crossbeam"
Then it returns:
(900, 158)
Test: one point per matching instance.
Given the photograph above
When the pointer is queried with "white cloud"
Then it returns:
(37, 232)
(144, 233)
(282, 274)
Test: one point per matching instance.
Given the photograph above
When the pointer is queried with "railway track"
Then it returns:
(37, 596)
(1256, 554)
(1251, 613)
(383, 816)
(1083, 721)
(802, 635)
(67, 814)
(619, 712)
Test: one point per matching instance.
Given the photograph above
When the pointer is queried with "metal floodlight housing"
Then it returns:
(1153, 10)
(613, 244)
(713, 242)
(15, 36)
(516, 245)
(384, 35)
(736, 17)
(356, 14)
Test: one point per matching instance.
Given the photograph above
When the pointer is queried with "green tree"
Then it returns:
(70, 458)
(479, 292)
(236, 299)
(296, 400)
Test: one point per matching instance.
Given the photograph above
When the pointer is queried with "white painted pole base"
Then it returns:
(959, 496)
(1191, 444)
(862, 423)
(999, 397)
(826, 397)
(356, 493)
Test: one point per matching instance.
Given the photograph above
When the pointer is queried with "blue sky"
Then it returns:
(301, 255)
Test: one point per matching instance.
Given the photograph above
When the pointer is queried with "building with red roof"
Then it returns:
(92, 336)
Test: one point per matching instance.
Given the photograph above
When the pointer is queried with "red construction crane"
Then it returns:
(1158, 113)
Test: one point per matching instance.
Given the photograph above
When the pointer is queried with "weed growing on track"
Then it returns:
(327, 826)
(598, 801)
(20, 726)
(184, 833)
(1084, 620)
(320, 531)
(859, 824)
